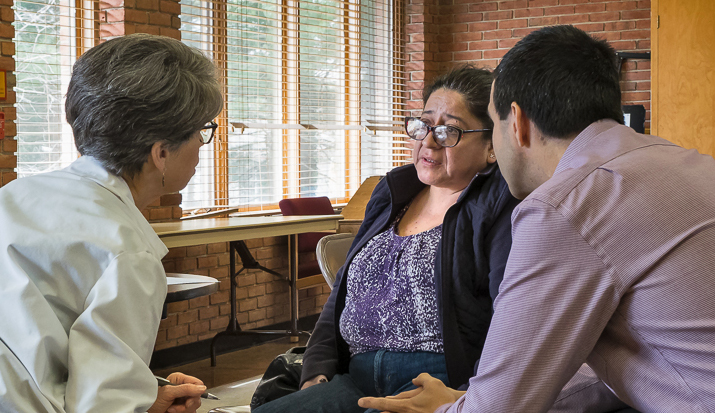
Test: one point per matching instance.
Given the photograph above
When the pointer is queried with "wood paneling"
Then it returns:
(683, 73)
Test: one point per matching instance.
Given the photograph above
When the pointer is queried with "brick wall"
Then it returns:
(8, 145)
(262, 298)
(482, 31)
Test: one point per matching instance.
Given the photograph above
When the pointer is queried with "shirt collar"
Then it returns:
(569, 159)
(90, 168)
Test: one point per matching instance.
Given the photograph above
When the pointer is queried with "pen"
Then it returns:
(164, 382)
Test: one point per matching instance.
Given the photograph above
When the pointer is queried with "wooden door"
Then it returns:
(683, 72)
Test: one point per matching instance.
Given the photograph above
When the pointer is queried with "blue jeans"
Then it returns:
(377, 374)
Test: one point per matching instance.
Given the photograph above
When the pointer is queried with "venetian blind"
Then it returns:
(314, 98)
(49, 36)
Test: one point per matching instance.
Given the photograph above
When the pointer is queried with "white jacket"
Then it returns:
(81, 293)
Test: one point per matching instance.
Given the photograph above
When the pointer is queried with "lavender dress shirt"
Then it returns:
(612, 263)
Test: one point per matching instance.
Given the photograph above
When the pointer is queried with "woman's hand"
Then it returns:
(315, 380)
(185, 397)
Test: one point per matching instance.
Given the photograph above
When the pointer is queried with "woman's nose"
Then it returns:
(429, 140)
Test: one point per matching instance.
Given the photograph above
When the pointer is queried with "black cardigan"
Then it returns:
(476, 238)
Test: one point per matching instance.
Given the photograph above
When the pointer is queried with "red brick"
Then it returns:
(467, 56)
(199, 302)
(623, 45)
(219, 272)
(208, 312)
(635, 14)
(136, 16)
(513, 23)
(608, 16)
(483, 6)
(9, 145)
(530, 12)
(507, 43)
(589, 8)
(8, 64)
(469, 36)
(177, 331)
(483, 26)
(257, 290)
(7, 177)
(495, 54)
(111, 30)
(619, 26)
(590, 27)
(145, 28)
(219, 297)
(467, 18)
(195, 250)
(622, 5)
(110, 4)
(147, 4)
(483, 45)
(551, 11)
(513, 4)
(498, 34)
(171, 7)
(543, 21)
(208, 262)
(186, 265)
(499, 15)
(8, 161)
(257, 315)
(170, 199)
(187, 317)
(575, 18)
(200, 327)
(635, 34)
(7, 15)
(219, 323)
(177, 307)
(247, 305)
(543, 3)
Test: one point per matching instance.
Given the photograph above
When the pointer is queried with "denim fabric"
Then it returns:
(377, 373)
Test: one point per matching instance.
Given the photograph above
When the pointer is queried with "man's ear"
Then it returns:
(158, 155)
(521, 126)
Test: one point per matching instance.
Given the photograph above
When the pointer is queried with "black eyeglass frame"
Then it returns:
(432, 129)
(212, 125)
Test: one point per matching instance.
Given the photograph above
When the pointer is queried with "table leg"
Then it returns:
(293, 271)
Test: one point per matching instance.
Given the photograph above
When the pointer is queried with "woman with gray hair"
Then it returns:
(82, 284)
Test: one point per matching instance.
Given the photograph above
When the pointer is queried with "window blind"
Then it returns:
(49, 36)
(314, 98)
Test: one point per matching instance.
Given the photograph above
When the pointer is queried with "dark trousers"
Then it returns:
(378, 374)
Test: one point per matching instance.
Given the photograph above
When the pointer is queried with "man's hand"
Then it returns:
(183, 398)
(315, 380)
(429, 395)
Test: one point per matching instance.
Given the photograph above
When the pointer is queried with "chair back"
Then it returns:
(307, 206)
(332, 250)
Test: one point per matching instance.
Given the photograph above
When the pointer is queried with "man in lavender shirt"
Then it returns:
(613, 256)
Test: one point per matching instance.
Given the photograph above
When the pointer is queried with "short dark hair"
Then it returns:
(474, 84)
(130, 92)
(562, 78)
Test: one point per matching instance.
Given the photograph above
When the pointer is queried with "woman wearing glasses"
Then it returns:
(415, 295)
(82, 285)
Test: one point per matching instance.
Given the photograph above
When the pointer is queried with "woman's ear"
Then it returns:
(491, 157)
(159, 154)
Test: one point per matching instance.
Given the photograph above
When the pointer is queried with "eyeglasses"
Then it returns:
(208, 132)
(445, 135)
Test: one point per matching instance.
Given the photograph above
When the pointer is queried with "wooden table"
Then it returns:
(235, 231)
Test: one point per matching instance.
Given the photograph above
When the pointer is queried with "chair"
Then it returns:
(309, 273)
(332, 250)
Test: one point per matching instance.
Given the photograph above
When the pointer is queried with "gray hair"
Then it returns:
(130, 92)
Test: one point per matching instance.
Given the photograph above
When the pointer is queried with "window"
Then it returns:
(313, 98)
(49, 35)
